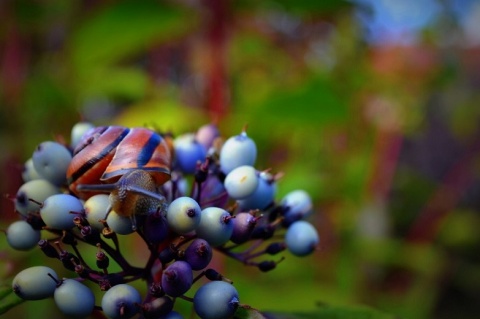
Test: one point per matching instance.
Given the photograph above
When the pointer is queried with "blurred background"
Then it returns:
(369, 105)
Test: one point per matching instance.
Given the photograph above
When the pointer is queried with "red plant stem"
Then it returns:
(14, 57)
(445, 198)
(386, 152)
(216, 37)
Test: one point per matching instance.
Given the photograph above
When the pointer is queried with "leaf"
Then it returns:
(5, 291)
(127, 83)
(247, 312)
(315, 102)
(124, 29)
(8, 300)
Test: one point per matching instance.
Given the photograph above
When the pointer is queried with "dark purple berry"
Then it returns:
(267, 265)
(275, 248)
(168, 254)
(102, 260)
(156, 228)
(48, 249)
(198, 254)
(91, 235)
(213, 275)
(157, 307)
(263, 232)
(177, 278)
(156, 290)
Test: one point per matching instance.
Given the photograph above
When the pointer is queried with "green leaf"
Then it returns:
(126, 83)
(5, 291)
(312, 102)
(8, 300)
(124, 29)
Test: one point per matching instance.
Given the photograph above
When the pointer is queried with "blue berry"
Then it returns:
(183, 215)
(263, 195)
(37, 190)
(34, 283)
(121, 302)
(120, 224)
(78, 130)
(216, 300)
(74, 299)
(297, 205)
(238, 150)
(21, 236)
(96, 209)
(29, 173)
(241, 182)
(173, 315)
(188, 152)
(59, 210)
(51, 161)
(215, 226)
(301, 238)
(89, 137)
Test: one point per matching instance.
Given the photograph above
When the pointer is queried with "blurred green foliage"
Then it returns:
(384, 137)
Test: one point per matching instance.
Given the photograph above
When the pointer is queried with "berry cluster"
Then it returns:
(114, 181)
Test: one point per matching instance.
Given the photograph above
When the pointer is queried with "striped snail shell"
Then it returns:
(127, 163)
(106, 153)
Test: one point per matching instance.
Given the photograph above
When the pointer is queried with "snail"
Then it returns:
(130, 164)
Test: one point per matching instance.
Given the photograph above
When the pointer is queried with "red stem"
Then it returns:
(386, 152)
(216, 37)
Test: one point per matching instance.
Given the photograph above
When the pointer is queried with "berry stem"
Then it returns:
(185, 298)
(77, 252)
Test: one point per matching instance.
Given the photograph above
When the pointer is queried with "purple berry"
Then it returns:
(177, 278)
(243, 225)
(198, 254)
